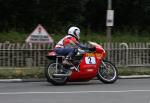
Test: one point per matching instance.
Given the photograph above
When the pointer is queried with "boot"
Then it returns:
(66, 62)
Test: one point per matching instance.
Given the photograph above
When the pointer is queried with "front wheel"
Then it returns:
(107, 72)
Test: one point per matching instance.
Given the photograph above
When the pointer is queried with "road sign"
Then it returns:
(110, 18)
(39, 35)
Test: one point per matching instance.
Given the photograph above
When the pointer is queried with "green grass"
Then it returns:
(134, 71)
(25, 73)
(22, 73)
(97, 37)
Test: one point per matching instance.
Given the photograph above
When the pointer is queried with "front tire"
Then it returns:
(107, 72)
(51, 69)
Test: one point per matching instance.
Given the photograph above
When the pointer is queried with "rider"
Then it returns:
(68, 46)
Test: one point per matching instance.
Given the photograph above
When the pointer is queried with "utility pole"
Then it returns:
(109, 20)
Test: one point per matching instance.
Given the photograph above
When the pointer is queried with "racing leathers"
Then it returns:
(68, 46)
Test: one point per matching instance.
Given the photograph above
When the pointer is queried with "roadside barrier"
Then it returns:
(25, 55)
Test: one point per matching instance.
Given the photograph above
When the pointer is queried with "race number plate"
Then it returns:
(90, 60)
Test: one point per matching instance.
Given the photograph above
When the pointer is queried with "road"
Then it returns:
(123, 91)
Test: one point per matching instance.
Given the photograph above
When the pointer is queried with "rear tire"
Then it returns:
(108, 73)
(51, 69)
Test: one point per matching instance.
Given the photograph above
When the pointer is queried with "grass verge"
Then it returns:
(21, 73)
(24, 73)
(134, 71)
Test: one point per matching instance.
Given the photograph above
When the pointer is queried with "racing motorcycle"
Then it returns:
(86, 65)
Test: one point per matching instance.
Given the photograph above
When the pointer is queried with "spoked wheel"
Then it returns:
(107, 72)
(52, 70)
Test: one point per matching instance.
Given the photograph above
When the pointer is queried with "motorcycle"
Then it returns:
(86, 65)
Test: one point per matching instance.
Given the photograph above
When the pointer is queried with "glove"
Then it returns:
(92, 49)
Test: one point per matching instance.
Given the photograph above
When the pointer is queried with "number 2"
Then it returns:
(90, 60)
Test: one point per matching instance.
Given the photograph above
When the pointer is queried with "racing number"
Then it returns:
(90, 60)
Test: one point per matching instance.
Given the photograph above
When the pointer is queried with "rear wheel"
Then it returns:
(56, 68)
(107, 73)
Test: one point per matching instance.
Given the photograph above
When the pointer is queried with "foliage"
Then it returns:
(58, 15)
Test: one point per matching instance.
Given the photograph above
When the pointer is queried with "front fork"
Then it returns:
(103, 63)
(105, 66)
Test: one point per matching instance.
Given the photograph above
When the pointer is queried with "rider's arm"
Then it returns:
(85, 48)
(74, 42)
(82, 46)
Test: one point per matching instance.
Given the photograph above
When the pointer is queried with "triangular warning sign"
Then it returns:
(39, 35)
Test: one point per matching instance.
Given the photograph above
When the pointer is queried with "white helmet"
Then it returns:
(75, 31)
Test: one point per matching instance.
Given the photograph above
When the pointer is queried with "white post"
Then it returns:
(127, 52)
(109, 20)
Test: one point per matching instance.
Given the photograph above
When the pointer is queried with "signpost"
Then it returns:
(109, 20)
(39, 35)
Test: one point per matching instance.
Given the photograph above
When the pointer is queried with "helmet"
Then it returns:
(74, 31)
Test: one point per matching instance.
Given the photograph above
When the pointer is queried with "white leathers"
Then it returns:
(60, 44)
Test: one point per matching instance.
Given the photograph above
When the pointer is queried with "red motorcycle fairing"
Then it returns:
(89, 66)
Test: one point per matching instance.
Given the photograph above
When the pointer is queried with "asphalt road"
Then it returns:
(123, 91)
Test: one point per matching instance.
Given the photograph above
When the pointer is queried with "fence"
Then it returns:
(24, 55)
(132, 54)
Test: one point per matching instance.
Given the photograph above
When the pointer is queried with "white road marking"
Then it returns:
(74, 92)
